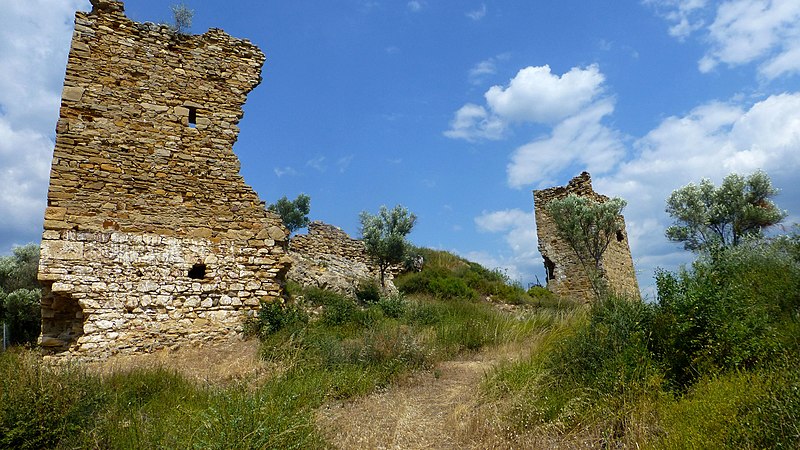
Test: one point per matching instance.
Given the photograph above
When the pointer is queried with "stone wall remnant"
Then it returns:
(565, 275)
(151, 237)
(326, 257)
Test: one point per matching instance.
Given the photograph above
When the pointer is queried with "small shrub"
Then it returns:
(338, 310)
(730, 311)
(368, 291)
(274, 316)
(393, 306)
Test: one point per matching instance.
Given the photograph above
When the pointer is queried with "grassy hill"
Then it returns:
(713, 364)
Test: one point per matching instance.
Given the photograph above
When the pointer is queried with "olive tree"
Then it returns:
(182, 17)
(384, 236)
(707, 216)
(293, 213)
(20, 295)
(587, 226)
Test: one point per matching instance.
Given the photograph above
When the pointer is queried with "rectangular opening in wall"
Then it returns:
(192, 117)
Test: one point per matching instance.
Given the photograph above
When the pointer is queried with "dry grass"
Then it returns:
(217, 364)
(433, 409)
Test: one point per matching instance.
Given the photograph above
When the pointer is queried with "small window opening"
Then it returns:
(620, 236)
(197, 272)
(192, 117)
(550, 268)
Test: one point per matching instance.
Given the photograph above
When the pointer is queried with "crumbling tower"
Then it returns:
(151, 237)
(565, 275)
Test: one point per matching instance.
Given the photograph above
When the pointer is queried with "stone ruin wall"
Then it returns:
(326, 257)
(151, 237)
(324, 239)
(565, 275)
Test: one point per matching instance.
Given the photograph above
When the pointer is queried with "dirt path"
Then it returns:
(431, 410)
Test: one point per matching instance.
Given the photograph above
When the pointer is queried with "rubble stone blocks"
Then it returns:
(565, 275)
(328, 258)
(151, 237)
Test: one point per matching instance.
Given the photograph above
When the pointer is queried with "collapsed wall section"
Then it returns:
(326, 257)
(151, 237)
(566, 276)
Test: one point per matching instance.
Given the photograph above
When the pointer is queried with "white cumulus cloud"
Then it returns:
(581, 139)
(711, 141)
(522, 260)
(34, 42)
(535, 94)
(472, 122)
(765, 32)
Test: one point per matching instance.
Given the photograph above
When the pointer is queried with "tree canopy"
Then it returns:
(20, 294)
(706, 215)
(293, 213)
(587, 226)
(384, 236)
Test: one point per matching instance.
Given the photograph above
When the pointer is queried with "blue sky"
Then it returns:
(458, 109)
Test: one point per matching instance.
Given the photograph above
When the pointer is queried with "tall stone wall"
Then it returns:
(328, 258)
(151, 237)
(565, 275)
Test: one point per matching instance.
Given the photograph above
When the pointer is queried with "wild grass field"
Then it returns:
(713, 363)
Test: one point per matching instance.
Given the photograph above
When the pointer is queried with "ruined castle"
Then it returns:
(151, 237)
(565, 275)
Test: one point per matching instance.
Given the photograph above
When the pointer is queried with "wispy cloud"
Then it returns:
(317, 163)
(416, 5)
(343, 163)
(281, 171)
(477, 14)
(486, 68)
(740, 32)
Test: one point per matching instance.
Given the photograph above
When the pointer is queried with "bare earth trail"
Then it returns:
(427, 411)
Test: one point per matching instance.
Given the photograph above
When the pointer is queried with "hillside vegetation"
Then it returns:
(713, 363)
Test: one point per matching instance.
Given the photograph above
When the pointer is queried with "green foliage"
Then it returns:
(730, 311)
(597, 369)
(274, 316)
(587, 226)
(447, 276)
(20, 294)
(736, 410)
(293, 213)
(714, 361)
(368, 291)
(182, 17)
(36, 410)
(393, 306)
(21, 310)
(384, 236)
(707, 216)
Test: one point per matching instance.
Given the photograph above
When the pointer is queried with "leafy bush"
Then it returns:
(276, 315)
(21, 310)
(393, 306)
(447, 276)
(368, 291)
(36, 410)
(592, 372)
(20, 294)
(730, 311)
(338, 310)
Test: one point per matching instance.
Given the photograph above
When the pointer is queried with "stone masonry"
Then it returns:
(565, 275)
(328, 258)
(151, 237)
